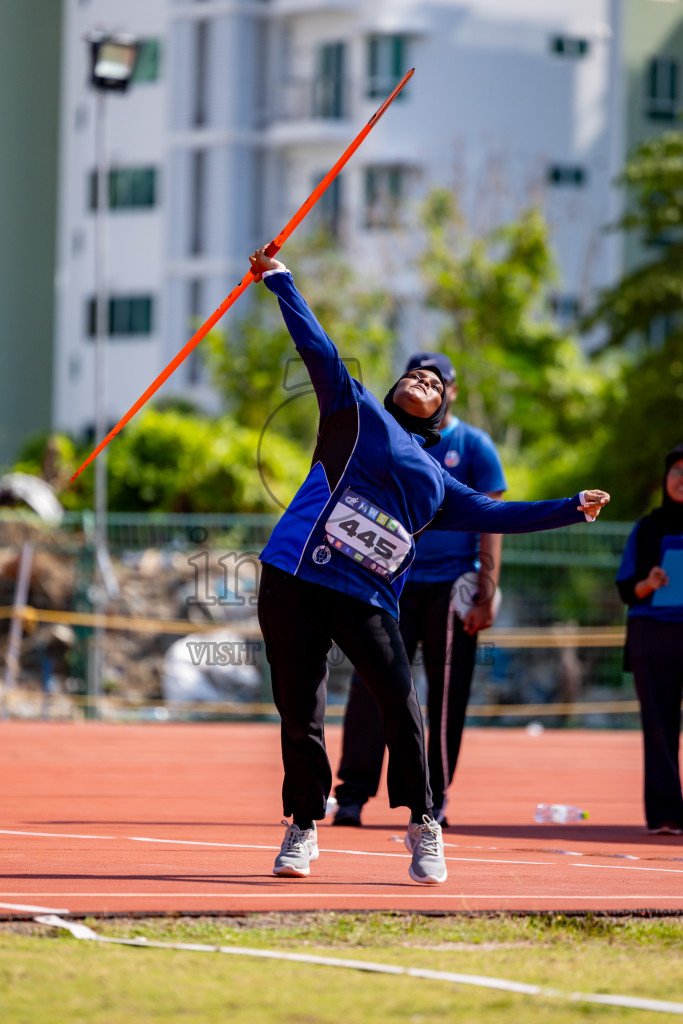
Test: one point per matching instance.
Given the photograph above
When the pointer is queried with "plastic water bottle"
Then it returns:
(559, 814)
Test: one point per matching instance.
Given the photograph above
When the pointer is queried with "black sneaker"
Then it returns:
(349, 815)
(667, 828)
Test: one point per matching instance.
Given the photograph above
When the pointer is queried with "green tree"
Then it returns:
(522, 378)
(255, 366)
(644, 412)
(175, 462)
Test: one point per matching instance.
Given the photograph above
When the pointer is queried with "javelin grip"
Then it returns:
(270, 251)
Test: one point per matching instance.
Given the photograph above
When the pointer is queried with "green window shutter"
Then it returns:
(147, 66)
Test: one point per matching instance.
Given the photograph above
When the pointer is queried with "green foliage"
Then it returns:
(167, 461)
(522, 379)
(643, 419)
(254, 363)
(643, 416)
(653, 176)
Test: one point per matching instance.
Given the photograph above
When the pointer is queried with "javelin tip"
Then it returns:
(390, 99)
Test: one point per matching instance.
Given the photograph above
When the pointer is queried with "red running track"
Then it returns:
(156, 818)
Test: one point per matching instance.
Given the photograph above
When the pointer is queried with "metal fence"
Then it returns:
(554, 650)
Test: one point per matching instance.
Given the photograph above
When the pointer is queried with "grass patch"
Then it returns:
(46, 975)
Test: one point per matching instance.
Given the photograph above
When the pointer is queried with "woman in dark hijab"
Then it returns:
(654, 643)
(335, 565)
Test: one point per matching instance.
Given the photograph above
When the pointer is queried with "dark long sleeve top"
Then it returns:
(372, 488)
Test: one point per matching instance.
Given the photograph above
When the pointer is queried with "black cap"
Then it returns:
(437, 359)
(674, 456)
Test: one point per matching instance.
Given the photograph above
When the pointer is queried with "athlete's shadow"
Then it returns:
(257, 881)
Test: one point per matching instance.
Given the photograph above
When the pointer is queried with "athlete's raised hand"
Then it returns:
(594, 502)
(260, 262)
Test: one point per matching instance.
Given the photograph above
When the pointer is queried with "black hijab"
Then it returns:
(424, 426)
(671, 511)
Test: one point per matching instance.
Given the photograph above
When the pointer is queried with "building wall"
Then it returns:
(29, 91)
(491, 108)
(652, 29)
(135, 136)
(240, 131)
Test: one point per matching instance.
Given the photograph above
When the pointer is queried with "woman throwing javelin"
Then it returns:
(334, 567)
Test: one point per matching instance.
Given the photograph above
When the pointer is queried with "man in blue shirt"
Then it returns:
(448, 598)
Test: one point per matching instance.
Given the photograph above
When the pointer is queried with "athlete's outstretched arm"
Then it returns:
(468, 510)
(333, 385)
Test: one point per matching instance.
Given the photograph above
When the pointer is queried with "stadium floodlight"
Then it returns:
(113, 59)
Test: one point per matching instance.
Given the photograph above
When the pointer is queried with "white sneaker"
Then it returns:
(425, 842)
(299, 848)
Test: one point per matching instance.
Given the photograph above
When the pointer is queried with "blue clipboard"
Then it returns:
(671, 596)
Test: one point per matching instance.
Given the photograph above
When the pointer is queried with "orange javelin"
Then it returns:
(271, 249)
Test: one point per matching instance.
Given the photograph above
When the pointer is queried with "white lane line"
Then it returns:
(481, 981)
(53, 835)
(255, 846)
(351, 853)
(628, 867)
(196, 842)
(425, 893)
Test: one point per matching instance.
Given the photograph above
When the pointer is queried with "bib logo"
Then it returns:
(452, 458)
(321, 555)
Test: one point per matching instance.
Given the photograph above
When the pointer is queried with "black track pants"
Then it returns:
(300, 621)
(655, 651)
(425, 615)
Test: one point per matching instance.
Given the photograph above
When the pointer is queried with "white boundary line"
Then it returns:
(628, 867)
(480, 981)
(299, 893)
(350, 853)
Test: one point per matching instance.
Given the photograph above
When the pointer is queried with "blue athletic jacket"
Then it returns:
(372, 488)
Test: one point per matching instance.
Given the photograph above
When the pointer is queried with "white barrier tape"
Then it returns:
(30, 909)
(80, 931)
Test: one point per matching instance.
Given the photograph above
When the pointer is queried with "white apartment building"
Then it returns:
(241, 106)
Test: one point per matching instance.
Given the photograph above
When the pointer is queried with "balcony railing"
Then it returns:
(323, 98)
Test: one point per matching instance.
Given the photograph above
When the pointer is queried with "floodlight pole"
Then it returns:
(96, 659)
(114, 75)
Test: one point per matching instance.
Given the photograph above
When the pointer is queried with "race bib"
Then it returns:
(369, 536)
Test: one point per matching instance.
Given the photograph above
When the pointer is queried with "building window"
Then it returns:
(129, 189)
(565, 308)
(328, 209)
(194, 362)
(329, 86)
(662, 88)
(387, 64)
(567, 175)
(201, 74)
(127, 315)
(661, 328)
(148, 61)
(197, 197)
(569, 46)
(385, 192)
